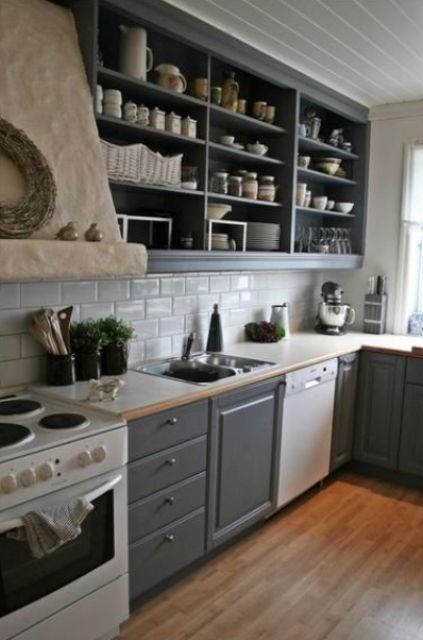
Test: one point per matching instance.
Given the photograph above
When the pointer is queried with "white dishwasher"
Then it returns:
(306, 429)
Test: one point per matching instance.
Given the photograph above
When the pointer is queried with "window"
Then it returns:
(409, 307)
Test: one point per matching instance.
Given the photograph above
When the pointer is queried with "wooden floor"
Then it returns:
(345, 563)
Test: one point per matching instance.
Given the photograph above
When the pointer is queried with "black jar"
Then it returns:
(114, 359)
(60, 370)
(87, 365)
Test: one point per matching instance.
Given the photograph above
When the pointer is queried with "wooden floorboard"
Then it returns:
(342, 563)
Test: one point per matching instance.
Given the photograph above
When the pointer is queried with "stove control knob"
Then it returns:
(8, 483)
(99, 453)
(27, 478)
(84, 459)
(45, 471)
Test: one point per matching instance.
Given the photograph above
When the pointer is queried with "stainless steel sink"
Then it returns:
(204, 368)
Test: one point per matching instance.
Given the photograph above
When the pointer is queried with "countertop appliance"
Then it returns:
(51, 452)
(333, 316)
(306, 429)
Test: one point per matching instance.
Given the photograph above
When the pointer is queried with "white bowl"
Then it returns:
(344, 207)
(217, 211)
(227, 140)
(320, 202)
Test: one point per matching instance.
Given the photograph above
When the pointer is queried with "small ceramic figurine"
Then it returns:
(93, 234)
(100, 391)
(68, 232)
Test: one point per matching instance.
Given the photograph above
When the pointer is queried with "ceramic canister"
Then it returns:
(250, 186)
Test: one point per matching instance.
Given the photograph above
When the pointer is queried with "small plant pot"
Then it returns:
(87, 365)
(60, 370)
(114, 359)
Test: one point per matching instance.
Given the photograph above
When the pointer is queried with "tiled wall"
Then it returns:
(161, 309)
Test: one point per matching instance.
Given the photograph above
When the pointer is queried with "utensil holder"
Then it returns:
(87, 365)
(375, 313)
(60, 370)
(114, 359)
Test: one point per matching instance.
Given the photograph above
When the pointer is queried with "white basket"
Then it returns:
(137, 163)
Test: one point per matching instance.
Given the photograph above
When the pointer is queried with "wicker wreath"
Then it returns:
(37, 205)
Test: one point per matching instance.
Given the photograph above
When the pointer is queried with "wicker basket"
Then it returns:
(137, 163)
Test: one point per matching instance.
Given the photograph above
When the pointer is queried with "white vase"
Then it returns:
(135, 58)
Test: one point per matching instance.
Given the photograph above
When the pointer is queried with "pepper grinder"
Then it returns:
(215, 338)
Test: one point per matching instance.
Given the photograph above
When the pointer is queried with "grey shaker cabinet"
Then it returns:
(344, 412)
(244, 449)
(379, 411)
(411, 443)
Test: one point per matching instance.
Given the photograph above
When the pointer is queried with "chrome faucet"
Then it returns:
(186, 352)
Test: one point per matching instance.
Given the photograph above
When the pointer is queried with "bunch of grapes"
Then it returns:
(264, 331)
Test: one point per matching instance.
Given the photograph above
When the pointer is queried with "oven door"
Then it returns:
(32, 589)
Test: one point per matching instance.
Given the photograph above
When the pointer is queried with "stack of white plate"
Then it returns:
(220, 242)
(263, 236)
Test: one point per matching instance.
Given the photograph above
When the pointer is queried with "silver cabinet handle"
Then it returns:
(170, 500)
(171, 461)
(172, 421)
(169, 537)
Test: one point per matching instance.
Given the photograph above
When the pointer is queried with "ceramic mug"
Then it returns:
(270, 114)
(200, 88)
(259, 109)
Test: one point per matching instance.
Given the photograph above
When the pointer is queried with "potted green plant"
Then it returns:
(114, 354)
(86, 342)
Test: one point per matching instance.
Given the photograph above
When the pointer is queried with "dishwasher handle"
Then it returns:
(313, 383)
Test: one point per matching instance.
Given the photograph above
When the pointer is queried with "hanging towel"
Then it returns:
(48, 529)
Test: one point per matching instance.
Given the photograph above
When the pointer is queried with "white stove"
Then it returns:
(52, 451)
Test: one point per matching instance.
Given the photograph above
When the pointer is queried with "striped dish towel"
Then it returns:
(49, 529)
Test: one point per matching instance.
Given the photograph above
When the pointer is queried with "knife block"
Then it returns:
(375, 313)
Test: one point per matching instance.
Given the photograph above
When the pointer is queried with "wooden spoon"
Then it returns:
(65, 316)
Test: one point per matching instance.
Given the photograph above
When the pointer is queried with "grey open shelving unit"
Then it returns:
(180, 39)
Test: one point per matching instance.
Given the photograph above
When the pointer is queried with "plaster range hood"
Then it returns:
(52, 103)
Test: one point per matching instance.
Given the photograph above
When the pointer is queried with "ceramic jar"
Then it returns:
(267, 188)
(130, 111)
(173, 123)
(259, 109)
(112, 103)
(235, 186)
(157, 118)
(171, 78)
(230, 90)
(250, 185)
(143, 115)
(189, 127)
(135, 58)
(219, 182)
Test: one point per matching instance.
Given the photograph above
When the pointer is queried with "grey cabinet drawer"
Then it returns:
(165, 552)
(166, 429)
(414, 374)
(164, 507)
(162, 469)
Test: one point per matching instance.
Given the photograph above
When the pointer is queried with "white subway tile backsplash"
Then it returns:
(96, 310)
(113, 290)
(9, 296)
(158, 348)
(130, 310)
(172, 286)
(83, 291)
(171, 326)
(10, 347)
(220, 283)
(158, 307)
(146, 329)
(184, 304)
(198, 284)
(40, 294)
(145, 287)
(162, 309)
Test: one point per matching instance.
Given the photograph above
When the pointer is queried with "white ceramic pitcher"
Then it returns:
(135, 58)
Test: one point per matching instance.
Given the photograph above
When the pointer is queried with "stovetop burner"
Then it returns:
(20, 407)
(64, 421)
(13, 434)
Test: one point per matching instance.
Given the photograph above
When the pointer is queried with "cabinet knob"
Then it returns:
(170, 537)
(172, 421)
(169, 500)
(171, 461)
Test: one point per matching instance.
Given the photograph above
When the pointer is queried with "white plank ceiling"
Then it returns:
(369, 50)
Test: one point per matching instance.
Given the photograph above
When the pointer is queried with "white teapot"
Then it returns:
(258, 148)
(171, 78)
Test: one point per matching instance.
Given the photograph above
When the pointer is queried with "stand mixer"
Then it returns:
(333, 316)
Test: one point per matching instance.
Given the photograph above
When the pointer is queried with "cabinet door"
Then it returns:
(380, 395)
(245, 439)
(411, 444)
(344, 413)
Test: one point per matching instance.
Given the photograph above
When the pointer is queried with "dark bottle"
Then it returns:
(215, 338)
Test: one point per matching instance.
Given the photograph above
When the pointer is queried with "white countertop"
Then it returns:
(145, 394)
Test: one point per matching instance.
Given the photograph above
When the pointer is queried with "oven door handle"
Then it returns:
(90, 496)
